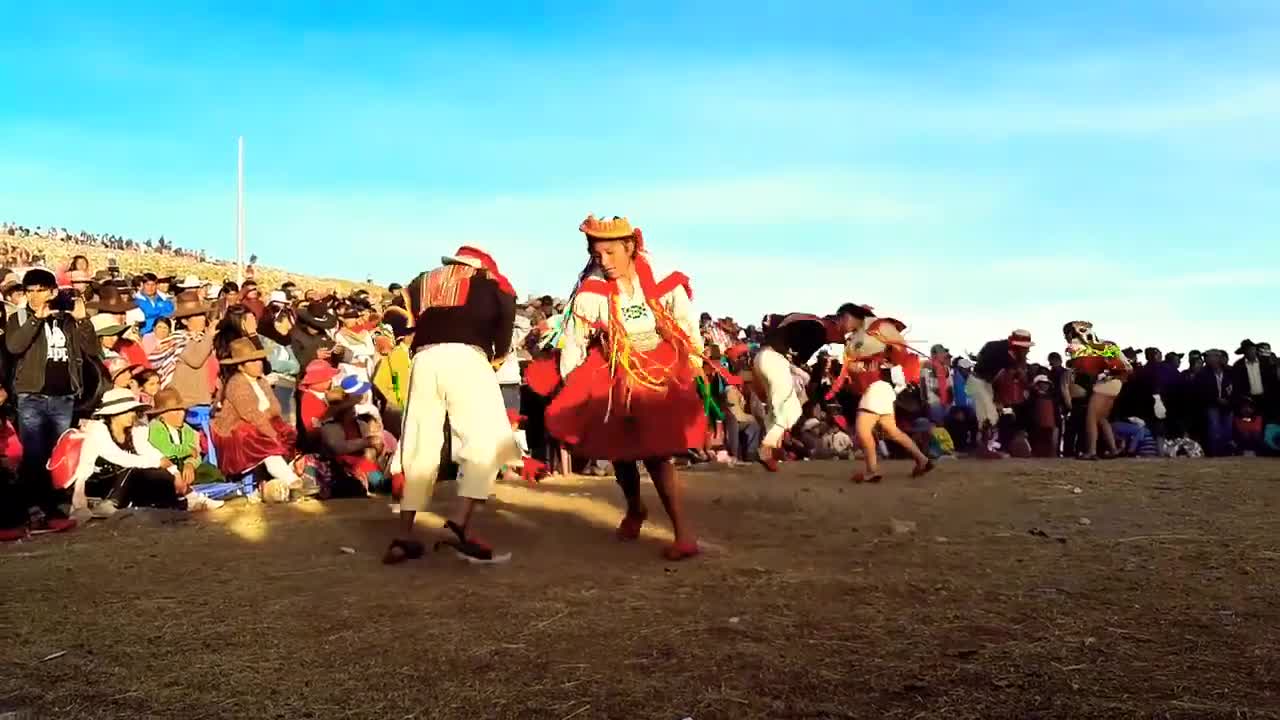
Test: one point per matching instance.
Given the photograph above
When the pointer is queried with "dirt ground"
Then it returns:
(1152, 591)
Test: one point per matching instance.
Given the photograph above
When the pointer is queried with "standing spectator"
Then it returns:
(935, 380)
(310, 338)
(995, 358)
(51, 341)
(1213, 385)
(153, 304)
(509, 371)
(1254, 378)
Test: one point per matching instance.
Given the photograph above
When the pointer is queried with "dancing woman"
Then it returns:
(1102, 361)
(631, 357)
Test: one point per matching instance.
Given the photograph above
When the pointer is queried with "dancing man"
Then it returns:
(631, 358)
(463, 312)
(776, 386)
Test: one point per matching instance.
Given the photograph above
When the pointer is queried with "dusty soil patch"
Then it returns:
(999, 602)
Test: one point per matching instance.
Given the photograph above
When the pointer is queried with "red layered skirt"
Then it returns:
(247, 446)
(605, 416)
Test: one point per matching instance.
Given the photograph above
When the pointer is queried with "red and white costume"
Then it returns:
(876, 346)
(630, 363)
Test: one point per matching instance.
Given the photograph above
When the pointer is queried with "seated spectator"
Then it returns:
(391, 375)
(124, 469)
(148, 382)
(354, 442)
(121, 374)
(162, 329)
(962, 426)
(248, 431)
(108, 329)
(1134, 438)
(313, 400)
(185, 362)
(275, 329)
(237, 323)
(15, 295)
(169, 433)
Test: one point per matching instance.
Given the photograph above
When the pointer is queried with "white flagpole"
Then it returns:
(240, 213)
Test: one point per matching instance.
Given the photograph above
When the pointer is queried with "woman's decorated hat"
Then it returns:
(617, 228)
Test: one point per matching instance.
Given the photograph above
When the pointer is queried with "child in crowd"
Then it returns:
(1248, 428)
(1044, 418)
(169, 433)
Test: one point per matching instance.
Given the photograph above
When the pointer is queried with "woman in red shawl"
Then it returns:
(248, 430)
(631, 359)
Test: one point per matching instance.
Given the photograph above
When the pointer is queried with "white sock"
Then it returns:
(279, 469)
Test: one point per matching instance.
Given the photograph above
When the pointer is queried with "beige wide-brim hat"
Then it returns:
(117, 401)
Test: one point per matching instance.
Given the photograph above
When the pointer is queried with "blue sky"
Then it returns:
(969, 168)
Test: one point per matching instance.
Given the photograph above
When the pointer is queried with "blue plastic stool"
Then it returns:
(199, 416)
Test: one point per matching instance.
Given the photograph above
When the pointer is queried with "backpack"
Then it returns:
(64, 463)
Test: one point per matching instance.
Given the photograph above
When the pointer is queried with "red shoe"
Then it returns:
(629, 529)
(675, 552)
(769, 459)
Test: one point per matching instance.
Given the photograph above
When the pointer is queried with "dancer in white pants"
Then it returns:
(778, 388)
(464, 315)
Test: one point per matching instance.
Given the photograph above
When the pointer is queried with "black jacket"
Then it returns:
(24, 341)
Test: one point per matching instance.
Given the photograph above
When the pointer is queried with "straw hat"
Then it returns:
(117, 366)
(190, 282)
(117, 401)
(1021, 339)
(166, 400)
(242, 351)
(617, 228)
(187, 304)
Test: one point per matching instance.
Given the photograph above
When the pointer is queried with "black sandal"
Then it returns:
(401, 550)
(469, 548)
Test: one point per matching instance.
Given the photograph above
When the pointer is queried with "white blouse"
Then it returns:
(637, 320)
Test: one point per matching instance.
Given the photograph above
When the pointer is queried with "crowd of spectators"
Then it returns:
(10, 232)
(135, 390)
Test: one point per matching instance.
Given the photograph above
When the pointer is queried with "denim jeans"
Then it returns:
(41, 421)
(1218, 432)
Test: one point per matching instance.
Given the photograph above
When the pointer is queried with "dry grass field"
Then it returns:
(1017, 589)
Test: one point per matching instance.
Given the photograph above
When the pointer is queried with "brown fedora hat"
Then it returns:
(242, 351)
(111, 299)
(166, 400)
(188, 303)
